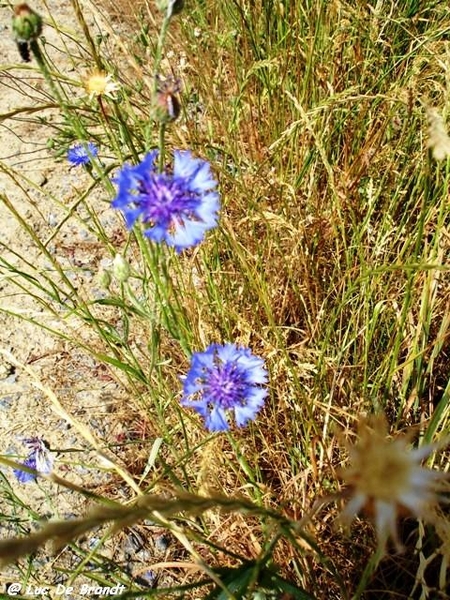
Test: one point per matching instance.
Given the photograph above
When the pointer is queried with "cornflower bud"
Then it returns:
(27, 27)
(104, 278)
(170, 7)
(121, 268)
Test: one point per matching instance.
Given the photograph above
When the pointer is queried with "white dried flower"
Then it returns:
(100, 84)
(386, 480)
(438, 139)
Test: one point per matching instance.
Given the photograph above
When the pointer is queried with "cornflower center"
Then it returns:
(165, 198)
(226, 385)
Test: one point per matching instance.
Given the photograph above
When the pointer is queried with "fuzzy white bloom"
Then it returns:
(438, 139)
(386, 480)
(100, 84)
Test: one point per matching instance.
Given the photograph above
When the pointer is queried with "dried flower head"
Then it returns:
(438, 139)
(386, 479)
(225, 379)
(175, 207)
(100, 84)
(38, 459)
(167, 105)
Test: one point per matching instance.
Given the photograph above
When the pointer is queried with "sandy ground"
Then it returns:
(34, 364)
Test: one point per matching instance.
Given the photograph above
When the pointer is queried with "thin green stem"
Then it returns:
(162, 145)
(42, 64)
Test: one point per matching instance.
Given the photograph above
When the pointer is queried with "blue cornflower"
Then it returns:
(177, 207)
(39, 459)
(223, 379)
(81, 154)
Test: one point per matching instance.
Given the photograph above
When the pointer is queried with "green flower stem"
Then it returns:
(172, 316)
(160, 47)
(43, 66)
(58, 94)
(157, 65)
(245, 466)
(162, 146)
(87, 34)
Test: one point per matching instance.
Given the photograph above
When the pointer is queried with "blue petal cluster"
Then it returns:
(225, 379)
(177, 207)
(81, 154)
(24, 476)
(39, 459)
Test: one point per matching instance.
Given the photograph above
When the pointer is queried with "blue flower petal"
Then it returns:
(230, 353)
(244, 414)
(217, 420)
(200, 406)
(207, 211)
(186, 236)
(256, 397)
(204, 360)
(39, 459)
(202, 179)
(24, 476)
(157, 234)
(184, 165)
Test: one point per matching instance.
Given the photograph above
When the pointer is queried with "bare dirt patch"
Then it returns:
(38, 367)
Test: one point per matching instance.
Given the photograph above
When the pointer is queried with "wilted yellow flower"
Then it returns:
(438, 139)
(386, 480)
(100, 84)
